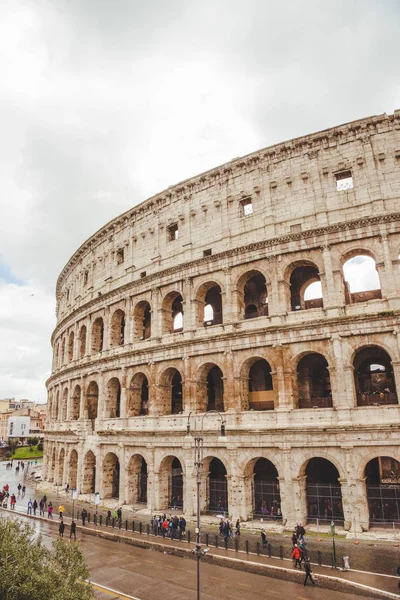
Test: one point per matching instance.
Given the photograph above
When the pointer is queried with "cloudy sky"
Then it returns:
(106, 102)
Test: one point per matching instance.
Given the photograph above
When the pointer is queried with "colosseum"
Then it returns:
(264, 294)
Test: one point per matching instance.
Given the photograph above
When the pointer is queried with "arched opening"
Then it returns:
(142, 320)
(56, 407)
(82, 341)
(176, 394)
(138, 396)
(113, 399)
(92, 400)
(97, 335)
(255, 297)
(217, 499)
(71, 339)
(137, 480)
(300, 282)
(374, 377)
(313, 382)
(215, 389)
(209, 304)
(117, 334)
(170, 401)
(172, 313)
(111, 474)
(171, 483)
(361, 279)
(73, 469)
(383, 489)
(261, 391)
(324, 492)
(63, 415)
(266, 493)
(76, 403)
(61, 457)
(89, 473)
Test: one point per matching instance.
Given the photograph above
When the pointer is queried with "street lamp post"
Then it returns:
(198, 459)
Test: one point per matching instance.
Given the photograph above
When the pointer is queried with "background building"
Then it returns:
(18, 426)
(266, 289)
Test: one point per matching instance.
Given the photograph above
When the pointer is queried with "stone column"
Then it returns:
(82, 403)
(107, 328)
(123, 394)
(156, 313)
(69, 400)
(385, 271)
(122, 492)
(101, 407)
(396, 373)
(81, 461)
(65, 468)
(188, 314)
(231, 401)
(354, 496)
(238, 507)
(299, 500)
(228, 310)
(329, 290)
(342, 383)
(187, 387)
(190, 485)
(284, 297)
(99, 474)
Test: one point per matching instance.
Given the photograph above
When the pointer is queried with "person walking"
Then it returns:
(34, 506)
(23, 491)
(307, 567)
(83, 515)
(45, 500)
(294, 539)
(73, 530)
(119, 514)
(41, 508)
(13, 501)
(296, 555)
(263, 539)
(19, 489)
(61, 510)
(29, 507)
(50, 511)
(238, 527)
(61, 528)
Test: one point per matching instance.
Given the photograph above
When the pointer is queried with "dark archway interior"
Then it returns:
(383, 489)
(298, 280)
(374, 378)
(266, 497)
(214, 299)
(255, 297)
(218, 487)
(142, 495)
(324, 492)
(313, 381)
(176, 494)
(215, 389)
(176, 393)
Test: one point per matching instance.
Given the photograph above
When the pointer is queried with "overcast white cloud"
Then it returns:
(103, 103)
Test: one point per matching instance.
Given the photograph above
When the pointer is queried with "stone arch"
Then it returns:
(71, 341)
(313, 387)
(73, 469)
(82, 341)
(89, 473)
(97, 335)
(172, 312)
(261, 476)
(113, 399)
(259, 393)
(323, 490)
(170, 400)
(253, 295)
(299, 275)
(360, 288)
(138, 395)
(214, 497)
(117, 330)
(92, 400)
(142, 320)
(111, 476)
(374, 377)
(382, 480)
(76, 403)
(209, 304)
(171, 482)
(210, 387)
(137, 479)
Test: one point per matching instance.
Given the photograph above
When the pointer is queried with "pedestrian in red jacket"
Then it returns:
(296, 555)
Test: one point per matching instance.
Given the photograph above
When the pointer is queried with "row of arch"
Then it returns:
(324, 499)
(373, 378)
(303, 292)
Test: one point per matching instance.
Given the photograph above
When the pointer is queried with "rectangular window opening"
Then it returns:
(207, 252)
(344, 181)
(247, 207)
(143, 274)
(85, 277)
(173, 232)
(120, 256)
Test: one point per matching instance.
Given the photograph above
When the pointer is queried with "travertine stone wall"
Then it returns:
(104, 338)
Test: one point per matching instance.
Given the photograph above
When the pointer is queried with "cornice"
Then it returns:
(309, 145)
(246, 249)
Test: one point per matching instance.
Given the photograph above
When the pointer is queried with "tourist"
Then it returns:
(73, 530)
(238, 527)
(23, 491)
(19, 489)
(50, 511)
(41, 507)
(13, 501)
(296, 555)
(294, 539)
(263, 539)
(34, 506)
(61, 510)
(45, 500)
(83, 516)
(119, 514)
(61, 528)
(29, 507)
(307, 566)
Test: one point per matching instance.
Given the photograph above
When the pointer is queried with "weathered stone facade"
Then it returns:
(195, 300)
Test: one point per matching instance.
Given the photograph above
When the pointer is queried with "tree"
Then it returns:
(32, 441)
(12, 443)
(30, 570)
(40, 445)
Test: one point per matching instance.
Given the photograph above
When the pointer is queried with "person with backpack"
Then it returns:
(29, 507)
(73, 530)
(61, 528)
(83, 515)
(34, 506)
(296, 555)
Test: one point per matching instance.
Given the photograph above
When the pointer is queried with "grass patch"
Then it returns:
(25, 453)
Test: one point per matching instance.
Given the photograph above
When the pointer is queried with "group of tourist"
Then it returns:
(299, 553)
(171, 526)
(226, 528)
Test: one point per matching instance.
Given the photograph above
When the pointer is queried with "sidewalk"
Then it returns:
(366, 584)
